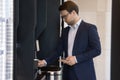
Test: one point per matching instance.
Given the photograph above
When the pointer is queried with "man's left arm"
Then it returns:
(94, 48)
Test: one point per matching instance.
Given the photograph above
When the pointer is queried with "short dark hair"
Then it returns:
(69, 6)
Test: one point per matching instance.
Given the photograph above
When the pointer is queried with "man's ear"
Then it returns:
(74, 12)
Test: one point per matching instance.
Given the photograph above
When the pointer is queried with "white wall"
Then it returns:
(99, 12)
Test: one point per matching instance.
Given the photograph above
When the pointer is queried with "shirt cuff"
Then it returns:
(75, 59)
(45, 62)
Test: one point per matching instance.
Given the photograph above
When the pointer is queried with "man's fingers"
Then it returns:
(64, 61)
(41, 63)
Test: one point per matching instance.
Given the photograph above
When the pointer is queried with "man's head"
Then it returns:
(69, 12)
(69, 6)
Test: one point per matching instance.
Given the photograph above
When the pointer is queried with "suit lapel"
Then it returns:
(77, 36)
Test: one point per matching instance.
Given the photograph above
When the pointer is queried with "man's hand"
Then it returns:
(41, 63)
(70, 60)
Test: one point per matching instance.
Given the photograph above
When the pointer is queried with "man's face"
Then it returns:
(67, 17)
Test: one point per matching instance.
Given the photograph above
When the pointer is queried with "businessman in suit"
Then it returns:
(80, 42)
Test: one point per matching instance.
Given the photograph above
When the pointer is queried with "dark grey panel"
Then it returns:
(24, 11)
(115, 47)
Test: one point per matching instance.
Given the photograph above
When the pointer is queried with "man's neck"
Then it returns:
(76, 20)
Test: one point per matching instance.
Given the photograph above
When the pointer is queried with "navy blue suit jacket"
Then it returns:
(86, 47)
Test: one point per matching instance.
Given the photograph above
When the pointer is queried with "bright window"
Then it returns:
(6, 39)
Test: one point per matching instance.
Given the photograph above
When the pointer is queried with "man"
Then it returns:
(80, 43)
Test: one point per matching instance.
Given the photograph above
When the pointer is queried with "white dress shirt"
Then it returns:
(71, 36)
